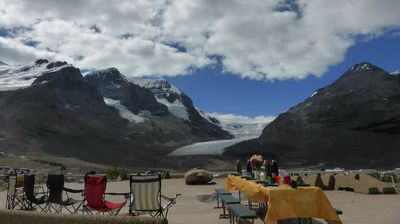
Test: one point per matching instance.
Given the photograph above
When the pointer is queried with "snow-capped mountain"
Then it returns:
(152, 100)
(49, 108)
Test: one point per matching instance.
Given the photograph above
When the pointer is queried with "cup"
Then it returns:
(286, 179)
(277, 179)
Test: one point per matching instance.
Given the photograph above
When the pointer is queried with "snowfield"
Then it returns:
(16, 77)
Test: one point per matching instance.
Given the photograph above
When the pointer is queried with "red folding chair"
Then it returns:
(94, 196)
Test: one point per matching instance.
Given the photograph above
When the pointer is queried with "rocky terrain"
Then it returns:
(354, 122)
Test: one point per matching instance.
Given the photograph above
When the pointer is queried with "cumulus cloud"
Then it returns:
(13, 52)
(258, 39)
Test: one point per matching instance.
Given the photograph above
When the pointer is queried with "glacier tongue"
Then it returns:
(239, 126)
(205, 148)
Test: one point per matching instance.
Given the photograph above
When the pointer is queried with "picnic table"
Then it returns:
(284, 202)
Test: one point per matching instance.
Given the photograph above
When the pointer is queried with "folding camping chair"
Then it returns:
(146, 196)
(15, 195)
(94, 193)
(32, 202)
(55, 202)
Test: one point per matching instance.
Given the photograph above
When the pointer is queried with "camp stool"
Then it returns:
(225, 200)
(240, 212)
(221, 191)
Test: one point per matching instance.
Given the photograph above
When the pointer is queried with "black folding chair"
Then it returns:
(56, 202)
(32, 201)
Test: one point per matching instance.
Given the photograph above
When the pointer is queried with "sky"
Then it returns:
(250, 58)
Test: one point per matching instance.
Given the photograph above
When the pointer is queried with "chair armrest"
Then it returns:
(126, 195)
(72, 190)
(170, 199)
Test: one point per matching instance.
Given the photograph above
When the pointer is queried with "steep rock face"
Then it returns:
(112, 84)
(354, 122)
(163, 100)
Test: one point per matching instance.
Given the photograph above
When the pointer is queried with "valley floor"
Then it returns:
(196, 205)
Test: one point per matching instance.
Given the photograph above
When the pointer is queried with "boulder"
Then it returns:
(197, 176)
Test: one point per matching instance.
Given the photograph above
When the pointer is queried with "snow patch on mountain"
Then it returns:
(395, 72)
(123, 111)
(314, 94)
(176, 108)
(16, 77)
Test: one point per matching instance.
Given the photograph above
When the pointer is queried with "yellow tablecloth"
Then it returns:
(285, 202)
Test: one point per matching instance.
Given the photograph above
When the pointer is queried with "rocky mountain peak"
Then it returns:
(163, 89)
(108, 75)
(364, 66)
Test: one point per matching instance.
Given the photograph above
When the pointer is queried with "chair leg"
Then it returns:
(223, 210)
